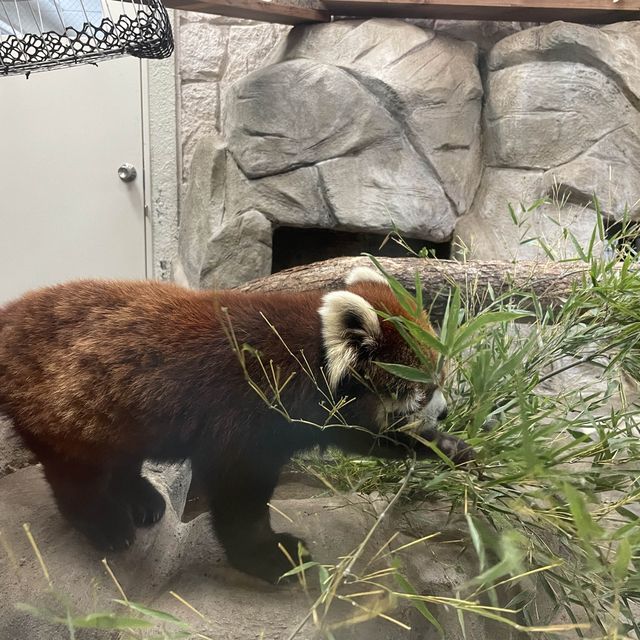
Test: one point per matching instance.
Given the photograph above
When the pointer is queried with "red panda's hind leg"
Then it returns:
(239, 491)
(84, 499)
(144, 501)
(266, 557)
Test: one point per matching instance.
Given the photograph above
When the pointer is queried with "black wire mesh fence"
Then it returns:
(42, 34)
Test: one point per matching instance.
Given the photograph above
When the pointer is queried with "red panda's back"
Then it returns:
(87, 362)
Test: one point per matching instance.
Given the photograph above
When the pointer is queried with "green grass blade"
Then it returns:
(150, 613)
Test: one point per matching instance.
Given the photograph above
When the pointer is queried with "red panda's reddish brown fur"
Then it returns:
(99, 376)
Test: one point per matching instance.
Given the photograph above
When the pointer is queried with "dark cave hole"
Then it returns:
(295, 246)
(623, 238)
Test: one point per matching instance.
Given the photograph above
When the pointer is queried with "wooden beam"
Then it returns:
(301, 11)
(587, 11)
(295, 12)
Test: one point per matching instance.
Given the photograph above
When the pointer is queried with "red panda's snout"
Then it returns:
(436, 409)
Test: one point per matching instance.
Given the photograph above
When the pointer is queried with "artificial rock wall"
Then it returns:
(429, 128)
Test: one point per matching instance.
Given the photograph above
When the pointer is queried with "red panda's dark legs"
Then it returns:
(144, 501)
(83, 497)
(238, 492)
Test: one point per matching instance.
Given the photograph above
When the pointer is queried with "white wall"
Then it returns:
(164, 162)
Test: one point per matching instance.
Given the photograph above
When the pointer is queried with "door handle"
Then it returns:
(127, 172)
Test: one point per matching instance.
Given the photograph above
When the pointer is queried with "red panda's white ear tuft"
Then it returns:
(364, 274)
(350, 328)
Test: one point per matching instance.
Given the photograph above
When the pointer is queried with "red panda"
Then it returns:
(99, 376)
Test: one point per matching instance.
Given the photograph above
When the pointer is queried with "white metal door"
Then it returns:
(64, 211)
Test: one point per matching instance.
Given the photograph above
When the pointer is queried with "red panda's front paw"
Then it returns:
(457, 450)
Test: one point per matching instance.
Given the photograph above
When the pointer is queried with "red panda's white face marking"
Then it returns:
(354, 338)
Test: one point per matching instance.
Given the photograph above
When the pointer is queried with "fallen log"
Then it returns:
(551, 282)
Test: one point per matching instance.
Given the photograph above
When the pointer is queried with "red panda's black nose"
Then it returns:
(443, 414)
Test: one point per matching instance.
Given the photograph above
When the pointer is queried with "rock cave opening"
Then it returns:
(296, 246)
(623, 238)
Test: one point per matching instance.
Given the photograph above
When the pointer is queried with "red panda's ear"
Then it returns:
(364, 274)
(350, 331)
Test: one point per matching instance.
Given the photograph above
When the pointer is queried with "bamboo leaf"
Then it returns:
(418, 285)
(299, 569)
(405, 372)
(585, 526)
(476, 539)
(406, 587)
(469, 329)
(623, 558)
(109, 621)
(451, 320)
(425, 337)
(44, 614)
(324, 578)
(405, 299)
(151, 613)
